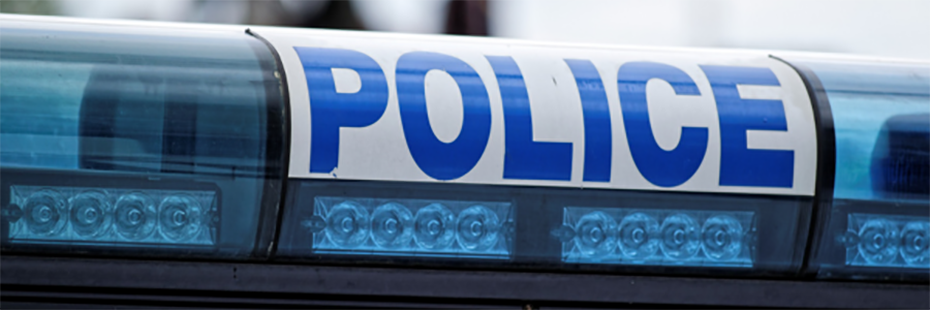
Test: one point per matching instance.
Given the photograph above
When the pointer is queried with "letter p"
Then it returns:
(331, 110)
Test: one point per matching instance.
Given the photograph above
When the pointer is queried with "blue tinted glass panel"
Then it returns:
(876, 225)
(133, 137)
(881, 115)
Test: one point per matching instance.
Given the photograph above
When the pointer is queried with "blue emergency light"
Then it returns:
(875, 220)
(139, 143)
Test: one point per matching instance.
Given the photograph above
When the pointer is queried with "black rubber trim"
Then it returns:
(826, 164)
(278, 151)
(58, 297)
(112, 276)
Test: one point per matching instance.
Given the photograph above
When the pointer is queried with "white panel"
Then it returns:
(379, 151)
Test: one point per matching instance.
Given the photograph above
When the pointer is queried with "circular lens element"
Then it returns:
(722, 236)
(391, 226)
(90, 214)
(595, 234)
(44, 212)
(477, 228)
(180, 217)
(681, 237)
(434, 227)
(914, 243)
(135, 216)
(878, 241)
(637, 236)
(347, 225)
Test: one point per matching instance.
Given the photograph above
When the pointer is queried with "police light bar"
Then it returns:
(449, 151)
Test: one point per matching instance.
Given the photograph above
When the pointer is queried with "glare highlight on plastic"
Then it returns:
(657, 237)
(876, 240)
(112, 217)
(411, 227)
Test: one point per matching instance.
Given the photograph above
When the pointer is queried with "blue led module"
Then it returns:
(411, 227)
(658, 237)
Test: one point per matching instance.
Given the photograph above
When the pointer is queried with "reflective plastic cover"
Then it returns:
(158, 140)
(876, 221)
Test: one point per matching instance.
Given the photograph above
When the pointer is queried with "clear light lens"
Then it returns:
(135, 216)
(477, 228)
(681, 237)
(888, 241)
(436, 228)
(596, 234)
(112, 216)
(44, 212)
(914, 247)
(90, 214)
(877, 241)
(685, 237)
(391, 226)
(347, 225)
(180, 217)
(722, 236)
(638, 236)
